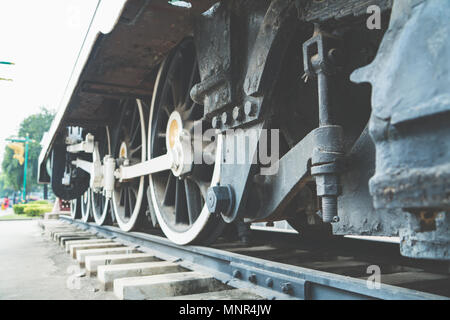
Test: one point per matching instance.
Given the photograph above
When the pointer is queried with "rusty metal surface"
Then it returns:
(409, 124)
(317, 11)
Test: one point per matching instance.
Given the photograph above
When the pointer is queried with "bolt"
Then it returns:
(225, 118)
(286, 288)
(329, 208)
(269, 282)
(237, 274)
(215, 122)
(252, 278)
(237, 113)
(249, 108)
(336, 219)
(219, 199)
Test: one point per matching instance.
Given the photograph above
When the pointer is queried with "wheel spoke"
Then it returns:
(203, 187)
(133, 119)
(134, 134)
(166, 109)
(181, 214)
(130, 202)
(133, 151)
(176, 92)
(193, 199)
(125, 202)
(169, 193)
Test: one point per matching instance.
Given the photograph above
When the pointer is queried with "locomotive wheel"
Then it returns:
(131, 149)
(86, 207)
(101, 207)
(178, 197)
(75, 210)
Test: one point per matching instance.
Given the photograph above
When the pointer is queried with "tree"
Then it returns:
(5, 190)
(35, 125)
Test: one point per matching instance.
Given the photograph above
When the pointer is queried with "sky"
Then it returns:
(43, 39)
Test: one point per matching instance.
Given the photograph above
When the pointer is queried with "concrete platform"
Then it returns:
(92, 262)
(52, 233)
(33, 267)
(74, 248)
(165, 285)
(55, 216)
(82, 254)
(70, 243)
(57, 236)
(64, 239)
(108, 273)
(232, 294)
(54, 226)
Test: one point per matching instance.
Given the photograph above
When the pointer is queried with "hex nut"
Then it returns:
(327, 185)
(219, 199)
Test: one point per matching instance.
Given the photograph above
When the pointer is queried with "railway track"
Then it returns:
(147, 266)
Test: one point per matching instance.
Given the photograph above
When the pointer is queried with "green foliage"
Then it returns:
(18, 208)
(34, 210)
(5, 189)
(40, 202)
(35, 126)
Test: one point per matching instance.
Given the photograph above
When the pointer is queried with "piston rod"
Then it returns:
(318, 54)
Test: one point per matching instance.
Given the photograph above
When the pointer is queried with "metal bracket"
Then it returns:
(85, 146)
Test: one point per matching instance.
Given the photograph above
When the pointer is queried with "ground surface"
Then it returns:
(34, 267)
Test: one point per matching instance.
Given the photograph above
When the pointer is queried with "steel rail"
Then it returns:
(272, 280)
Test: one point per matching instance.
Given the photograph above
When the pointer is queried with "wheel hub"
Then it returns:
(178, 144)
(123, 154)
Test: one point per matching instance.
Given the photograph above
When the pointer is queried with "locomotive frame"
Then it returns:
(124, 137)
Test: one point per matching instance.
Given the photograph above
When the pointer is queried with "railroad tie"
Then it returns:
(92, 262)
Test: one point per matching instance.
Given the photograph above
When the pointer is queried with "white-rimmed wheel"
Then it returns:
(85, 204)
(101, 206)
(130, 149)
(178, 195)
(75, 209)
